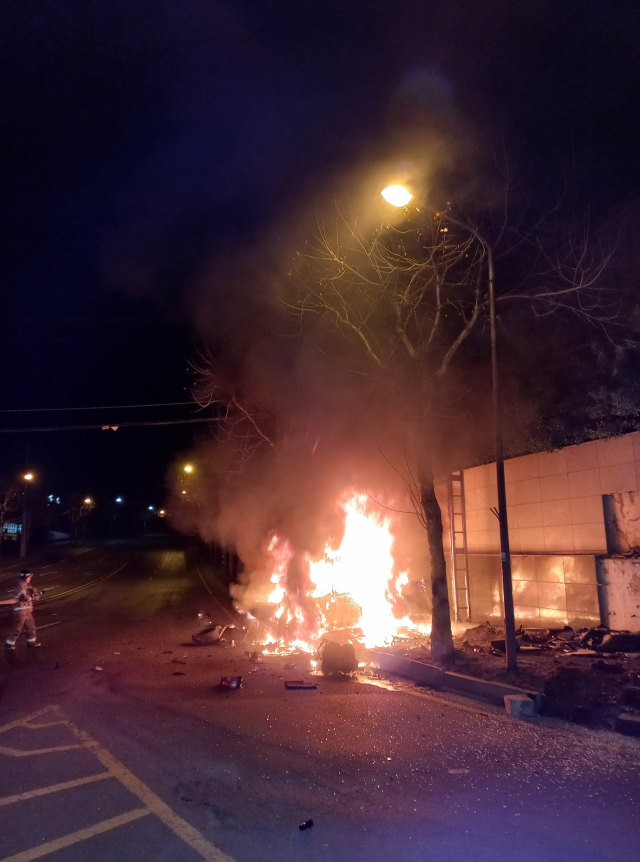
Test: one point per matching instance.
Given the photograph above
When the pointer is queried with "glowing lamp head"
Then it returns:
(397, 196)
(184, 492)
(87, 501)
(28, 477)
(151, 508)
(118, 499)
(188, 468)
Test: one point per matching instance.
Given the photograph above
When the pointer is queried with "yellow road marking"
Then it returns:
(53, 788)
(186, 832)
(75, 837)
(209, 852)
(18, 752)
(27, 722)
(21, 722)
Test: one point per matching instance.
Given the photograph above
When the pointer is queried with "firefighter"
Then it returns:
(26, 595)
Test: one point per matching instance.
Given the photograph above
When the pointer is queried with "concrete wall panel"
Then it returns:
(548, 590)
(554, 499)
(620, 578)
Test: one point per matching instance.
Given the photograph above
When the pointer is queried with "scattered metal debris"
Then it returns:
(620, 642)
(306, 825)
(565, 640)
(230, 682)
(210, 635)
(294, 684)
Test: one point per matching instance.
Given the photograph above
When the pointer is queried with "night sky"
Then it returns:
(146, 144)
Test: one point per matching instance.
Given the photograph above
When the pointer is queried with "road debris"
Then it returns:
(581, 681)
(230, 682)
(97, 668)
(210, 635)
(306, 825)
(294, 684)
(620, 642)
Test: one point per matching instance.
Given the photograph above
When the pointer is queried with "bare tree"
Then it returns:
(401, 302)
(240, 424)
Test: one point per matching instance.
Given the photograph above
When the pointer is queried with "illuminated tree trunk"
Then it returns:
(441, 637)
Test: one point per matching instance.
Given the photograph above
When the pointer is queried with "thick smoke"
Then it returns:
(330, 434)
(305, 424)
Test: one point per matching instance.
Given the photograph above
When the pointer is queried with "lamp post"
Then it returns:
(24, 530)
(398, 196)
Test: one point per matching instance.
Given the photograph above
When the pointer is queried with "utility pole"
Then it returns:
(24, 529)
(505, 553)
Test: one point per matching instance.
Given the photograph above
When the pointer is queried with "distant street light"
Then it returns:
(188, 468)
(88, 501)
(119, 500)
(398, 196)
(184, 492)
(28, 477)
(151, 508)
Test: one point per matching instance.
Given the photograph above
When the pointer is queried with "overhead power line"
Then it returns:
(114, 425)
(112, 407)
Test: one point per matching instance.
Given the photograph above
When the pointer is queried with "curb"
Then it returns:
(435, 677)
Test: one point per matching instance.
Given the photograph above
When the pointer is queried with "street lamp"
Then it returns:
(394, 196)
(24, 528)
(188, 468)
(119, 500)
(397, 196)
(88, 501)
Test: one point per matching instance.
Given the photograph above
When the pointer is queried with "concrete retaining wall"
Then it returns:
(619, 584)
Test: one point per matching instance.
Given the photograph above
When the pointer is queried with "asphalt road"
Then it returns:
(147, 759)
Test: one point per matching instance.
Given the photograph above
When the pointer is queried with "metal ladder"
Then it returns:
(459, 556)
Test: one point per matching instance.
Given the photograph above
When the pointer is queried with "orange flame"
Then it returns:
(354, 588)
